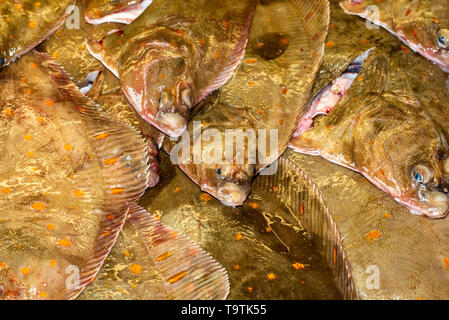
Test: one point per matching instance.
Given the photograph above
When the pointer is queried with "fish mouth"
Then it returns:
(173, 124)
(232, 194)
(436, 203)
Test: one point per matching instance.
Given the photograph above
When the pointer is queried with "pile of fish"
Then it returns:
(92, 91)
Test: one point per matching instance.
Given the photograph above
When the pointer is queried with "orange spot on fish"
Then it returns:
(81, 109)
(309, 15)
(32, 24)
(43, 294)
(373, 235)
(281, 122)
(28, 91)
(274, 188)
(226, 24)
(110, 161)
(38, 206)
(25, 270)
(206, 197)
(271, 276)
(6, 190)
(27, 137)
(238, 236)
(284, 91)
(267, 229)
(251, 83)
(18, 6)
(217, 55)
(163, 256)
(285, 41)
(298, 266)
(179, 31)
(49, 103)
(30, 154)
(117, 190)
(332, 26)
(34, 65)
(330, 44)
(106, 233)
(259, 45)
(78, 193)
(175, 278)
(364, 41)
(260, 112)
(2, 264)
(177, 190)
(250, 61)
(407, 13)
(40, 119)
(51, 226)
(301, 210)
(52, 263)
(446, 263)
(236, 267)
(315, 36)
(249, 289)
(110, 217)
(102, 136)
(68, 147)
(9, 112)
(65, 243)
(254, 205)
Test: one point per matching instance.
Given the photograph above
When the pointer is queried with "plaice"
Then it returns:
(264, 100)
(422, 25)
(175, 54)
(24, 24)
(153, 261)
(390, 126)
(68, 175)
(121, 11)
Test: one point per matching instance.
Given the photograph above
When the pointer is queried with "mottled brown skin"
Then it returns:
(392, 128)
(175, 54)
(24, 24)
(270, 90)
(422, 25)
(58, 191)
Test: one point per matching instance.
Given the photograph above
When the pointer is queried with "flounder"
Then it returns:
(422, 25)
(120, 11)
(260, 107)
(24, 24)
(67, 177)
(175, 54)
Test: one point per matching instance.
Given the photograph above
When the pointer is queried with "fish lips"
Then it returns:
(433, 204)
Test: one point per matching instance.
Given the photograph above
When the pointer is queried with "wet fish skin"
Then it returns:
(65, 186)
(24, 24)
(175, 54)
(120, 11)
(393, 136)
(281, 61)
(422, 25)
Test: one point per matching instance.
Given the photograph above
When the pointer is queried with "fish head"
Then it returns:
(231, 184)
(158, 83)
(422, 25)
(408, 159)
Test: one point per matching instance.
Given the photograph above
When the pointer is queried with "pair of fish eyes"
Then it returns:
(443, 38)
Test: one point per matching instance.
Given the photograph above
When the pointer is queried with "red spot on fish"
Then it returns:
(407, 13)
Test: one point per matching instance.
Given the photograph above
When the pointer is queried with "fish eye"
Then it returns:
(422, 174)
(418, 177)
(443, 38)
